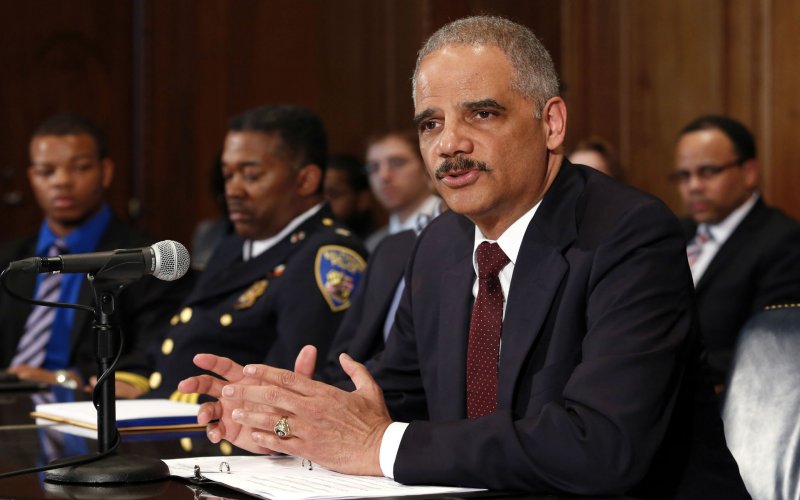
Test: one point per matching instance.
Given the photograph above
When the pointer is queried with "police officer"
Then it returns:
(283, 280)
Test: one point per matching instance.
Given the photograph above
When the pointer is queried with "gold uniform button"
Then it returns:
(186, 314)
(155, 380)
(186, 444)
(225, 448)
(174, 320)
(327, 221)
(167, 347)
(226, 320)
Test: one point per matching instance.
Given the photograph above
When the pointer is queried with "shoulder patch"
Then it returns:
(338, 271)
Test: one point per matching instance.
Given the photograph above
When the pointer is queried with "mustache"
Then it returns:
(458, 164)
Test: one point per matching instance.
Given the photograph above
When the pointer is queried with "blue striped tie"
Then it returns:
(32, 346)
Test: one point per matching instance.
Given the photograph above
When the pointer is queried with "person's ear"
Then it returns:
(750, 172)
(554, 119)
(107, 172)
(309, 179)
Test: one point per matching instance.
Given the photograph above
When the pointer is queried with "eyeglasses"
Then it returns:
(393, 163)
(703, 172)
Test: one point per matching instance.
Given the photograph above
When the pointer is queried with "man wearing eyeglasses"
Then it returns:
(743, 254)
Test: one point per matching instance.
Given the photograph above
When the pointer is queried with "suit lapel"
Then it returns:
(538, 273)
(722, 261)
(454, 318)
(537, 276)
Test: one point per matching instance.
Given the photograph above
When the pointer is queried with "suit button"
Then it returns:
(174, 320)
(186, 314)
(226, 320)
(155, 380)
(167, 347)
(327, 221)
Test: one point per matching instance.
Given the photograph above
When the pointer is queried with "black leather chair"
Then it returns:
(761, 408)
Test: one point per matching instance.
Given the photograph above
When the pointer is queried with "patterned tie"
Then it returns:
(32, 346)
(483, 349)
(695, 247)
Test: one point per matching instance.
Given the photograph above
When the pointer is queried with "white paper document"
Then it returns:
(286, 478)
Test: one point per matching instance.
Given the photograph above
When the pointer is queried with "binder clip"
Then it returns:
(199, 478)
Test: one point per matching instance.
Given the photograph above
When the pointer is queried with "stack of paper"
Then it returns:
(137, 415)
(289, 478)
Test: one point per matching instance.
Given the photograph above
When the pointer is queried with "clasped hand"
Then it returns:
(339, 430)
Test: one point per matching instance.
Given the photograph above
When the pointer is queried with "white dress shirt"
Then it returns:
(720, 233)
(254, 248)
(510, 242)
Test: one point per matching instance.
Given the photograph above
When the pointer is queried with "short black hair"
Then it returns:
(353, 169)
(740, 136)
(70, 124)
(301, 132)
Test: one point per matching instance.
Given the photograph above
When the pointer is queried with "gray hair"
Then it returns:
(535, 78)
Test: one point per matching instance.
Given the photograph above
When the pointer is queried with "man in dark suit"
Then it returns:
(743, 254)
(70, 172)
(367, 324)
(593, 388)
(285, 278)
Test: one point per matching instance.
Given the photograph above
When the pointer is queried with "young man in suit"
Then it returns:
(284, 279)
(743, 254)
(594, 387)
(70, 173)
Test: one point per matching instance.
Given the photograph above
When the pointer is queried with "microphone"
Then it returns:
(166, 260)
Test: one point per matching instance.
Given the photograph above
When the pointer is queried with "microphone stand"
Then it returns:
(114, 468)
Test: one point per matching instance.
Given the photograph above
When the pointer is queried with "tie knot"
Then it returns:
(58, 247)
(703, 235)
(491, 259)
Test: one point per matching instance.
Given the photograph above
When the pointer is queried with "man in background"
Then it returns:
(743, 254)
(400, 183)
(70, 173)
(346, 190)
(284, 279)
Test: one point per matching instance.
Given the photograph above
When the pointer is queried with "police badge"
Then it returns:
(338, 271)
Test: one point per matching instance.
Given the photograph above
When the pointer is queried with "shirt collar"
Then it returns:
(428, 210)
(85, 238)
(257, 247)
(721, 231)
(511, 239)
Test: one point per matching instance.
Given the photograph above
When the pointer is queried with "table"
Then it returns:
(24, 444)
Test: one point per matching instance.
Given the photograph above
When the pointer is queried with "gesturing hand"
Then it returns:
(340, 430)
(217, 415)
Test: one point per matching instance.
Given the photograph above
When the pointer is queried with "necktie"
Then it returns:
(32, 346)
(483, 348)
(695, 247)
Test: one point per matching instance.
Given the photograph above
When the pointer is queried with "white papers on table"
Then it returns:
(285, 478)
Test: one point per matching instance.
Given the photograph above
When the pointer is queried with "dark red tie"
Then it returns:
(483, 349)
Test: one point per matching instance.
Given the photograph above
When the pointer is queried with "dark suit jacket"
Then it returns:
(599, 389)
(141, 306)
(361, 332)
(260, 311)
(757, 266)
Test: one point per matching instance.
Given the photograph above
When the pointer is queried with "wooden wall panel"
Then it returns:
(591, 71)
(673, 61)
(783, 175)
(61, 57)
(351, 61)
(163, 76)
